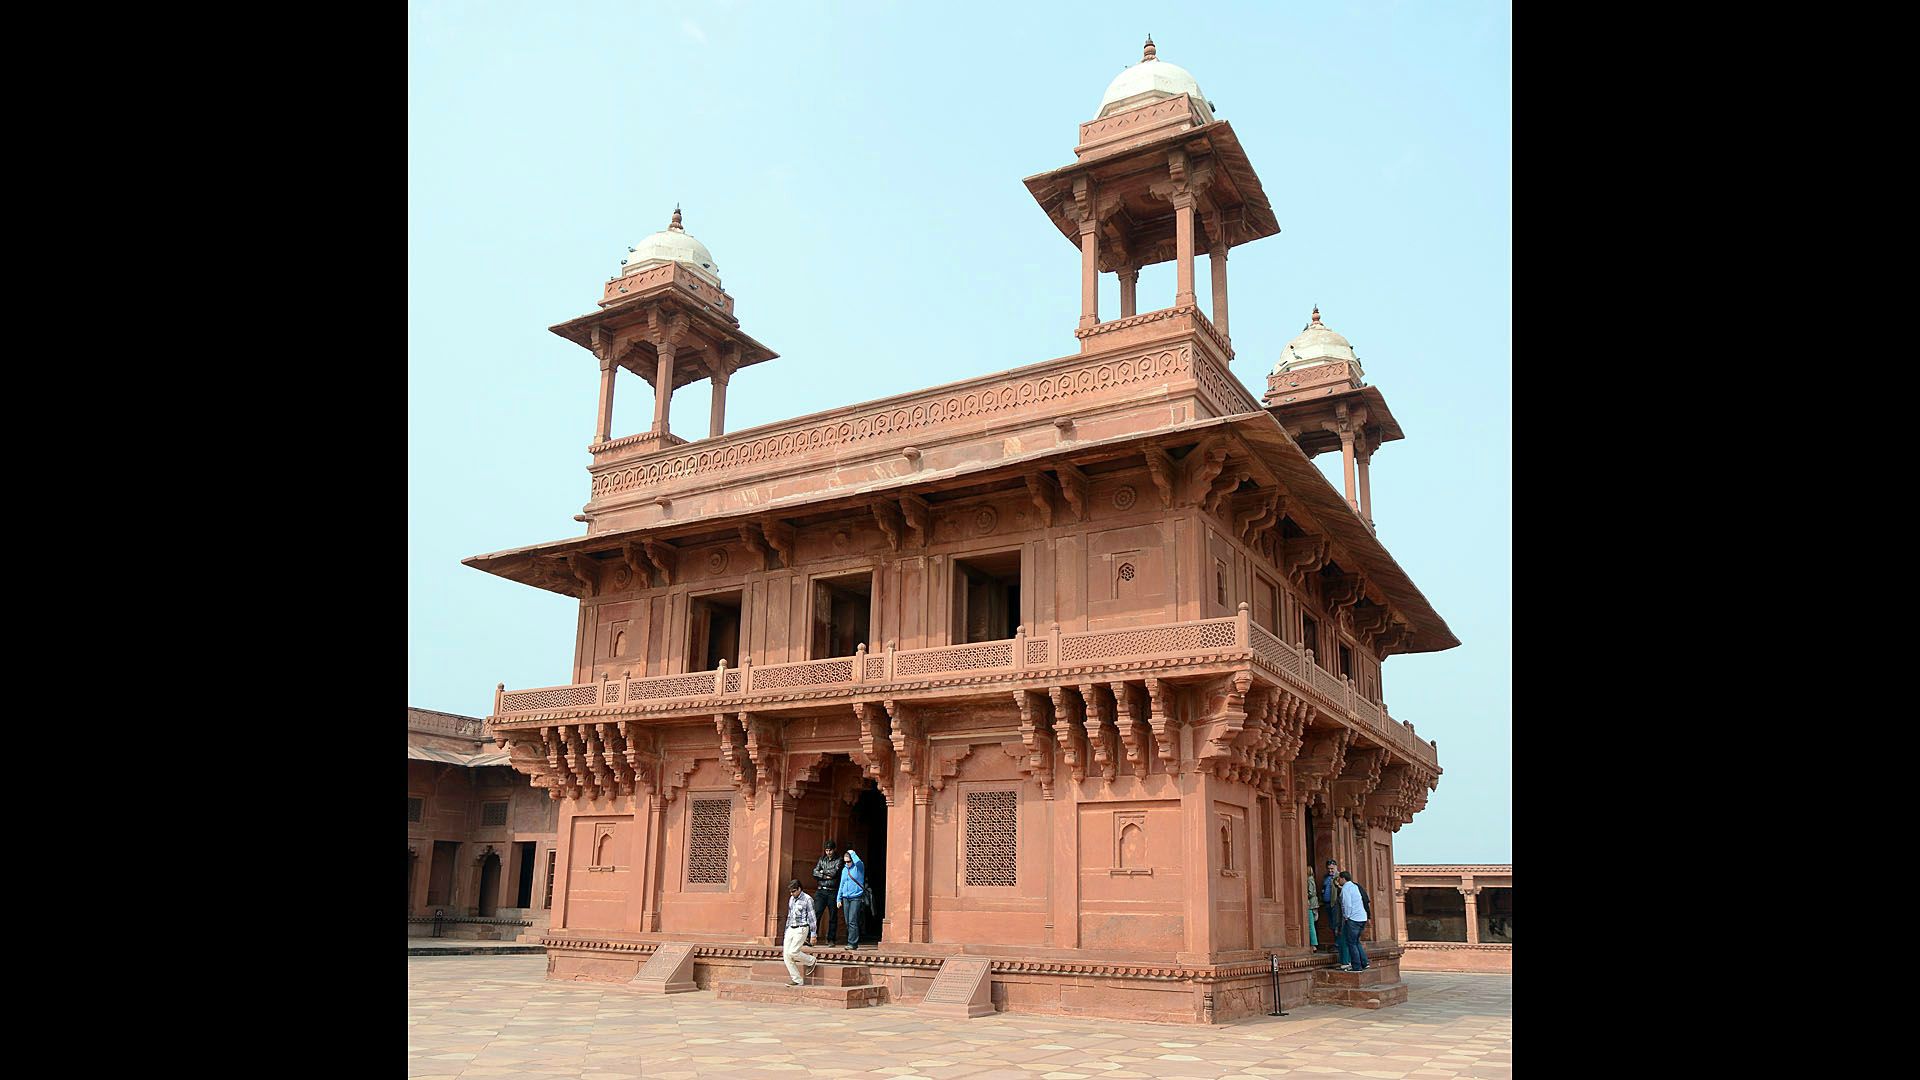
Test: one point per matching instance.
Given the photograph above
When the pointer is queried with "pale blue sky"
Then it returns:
(856, 171)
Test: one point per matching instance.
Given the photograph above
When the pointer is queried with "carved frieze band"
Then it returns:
(922, 413)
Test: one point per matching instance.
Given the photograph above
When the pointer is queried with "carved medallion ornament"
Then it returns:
(1124, 497)
(985, 520)
(717, 561)
(841, 539)
(622, 577)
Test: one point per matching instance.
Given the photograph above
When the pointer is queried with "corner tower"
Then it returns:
(1319, 394)
(1152, 165)
(664, 317)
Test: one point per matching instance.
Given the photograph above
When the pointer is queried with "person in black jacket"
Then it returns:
(827, 873)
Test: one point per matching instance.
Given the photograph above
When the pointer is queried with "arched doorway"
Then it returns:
(489, 885)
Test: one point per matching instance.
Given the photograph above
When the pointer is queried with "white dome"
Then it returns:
(672, 244)
(1315, 345)
(1151, 80)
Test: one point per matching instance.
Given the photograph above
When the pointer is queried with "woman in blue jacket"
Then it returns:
(852, 898)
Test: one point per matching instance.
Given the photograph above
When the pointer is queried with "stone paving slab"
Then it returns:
(495, 1016)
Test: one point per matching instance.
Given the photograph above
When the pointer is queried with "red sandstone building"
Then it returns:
(480, 839)
(1083, 656)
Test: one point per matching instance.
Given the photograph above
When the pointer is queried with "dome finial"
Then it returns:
(1149, 52)
(675, 223)
(1316, 312)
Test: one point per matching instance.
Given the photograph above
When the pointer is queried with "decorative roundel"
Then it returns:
(985, 520)
(841, 539)
(622, 577)
(1126, 571)
(1124, 497)
(717, 561)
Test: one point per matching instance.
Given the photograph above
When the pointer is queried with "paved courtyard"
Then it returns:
(473, 1016)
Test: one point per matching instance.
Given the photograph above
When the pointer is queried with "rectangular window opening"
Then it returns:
(842, 615)
(523, 897)
(713, 631)
(986, 600)
(1310, 636)
(552, 858)
(493, 814)
(414, 808)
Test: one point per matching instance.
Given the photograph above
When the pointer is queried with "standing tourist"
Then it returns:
(800, 929)
(852, 896)
(1353, 918)
(1313, 909)
(1330, 896)
(826, 890)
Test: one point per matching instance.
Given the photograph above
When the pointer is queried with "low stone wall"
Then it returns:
(1145, 992)
(1457, 956)
(466, 927)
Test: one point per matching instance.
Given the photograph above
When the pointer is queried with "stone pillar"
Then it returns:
(1363, 455)
(1218, 262)
(1286, 814)
(780, 852)
(1473, 910)
(563, 864)
(604, 430)
(663, 386)
(1400, 914)
(1200, 865)
(1183, 249)
(1129, 282)
(656, 833)
(1346, 461)
(1064, 893)
(920, 865)
(717, 420)
(1089, 271)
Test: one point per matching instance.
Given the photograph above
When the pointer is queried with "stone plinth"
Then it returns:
(961, 990)
(831, 986)
(668, 971)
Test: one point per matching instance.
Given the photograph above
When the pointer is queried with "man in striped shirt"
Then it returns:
(801, 925)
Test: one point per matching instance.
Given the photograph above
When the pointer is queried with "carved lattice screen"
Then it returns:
(708, 839)
(992, 837)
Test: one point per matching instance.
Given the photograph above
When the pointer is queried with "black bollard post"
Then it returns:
(1273, 969)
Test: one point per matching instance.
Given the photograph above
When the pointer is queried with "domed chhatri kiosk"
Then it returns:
(1083, 657)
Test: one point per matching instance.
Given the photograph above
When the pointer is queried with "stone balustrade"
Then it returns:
(1019, 657)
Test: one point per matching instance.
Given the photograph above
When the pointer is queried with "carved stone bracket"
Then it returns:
(943, 763)
(1222, 485)
(1044, 490)
(1198, 470)
(733, 750)
(1166, 737)
(1073, 485)
(909, 740)
(1303, 555)
(1256, 516)
(1136, 735)
(802, 769)
(781, 536)
(891, 522)
(1344, 592)
(1102, 732)
(581, 568)
(1161, 467)
(756, 542)
(664, 556)
(1036, 736)
(763, 744)
(673, 774)
(1070, 729)
(914, 509)
(638, 562)
(875, 756)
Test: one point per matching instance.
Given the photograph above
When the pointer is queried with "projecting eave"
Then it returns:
(1330, 510)
(1236, 188)
(539, 564)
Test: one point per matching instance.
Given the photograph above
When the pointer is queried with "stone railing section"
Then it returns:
(442, 724)
(1014, 657)
(1033, 393)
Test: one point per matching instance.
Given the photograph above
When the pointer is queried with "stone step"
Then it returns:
(1376, 996)
(1373, 976)
(780, 993)
(824, 974)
